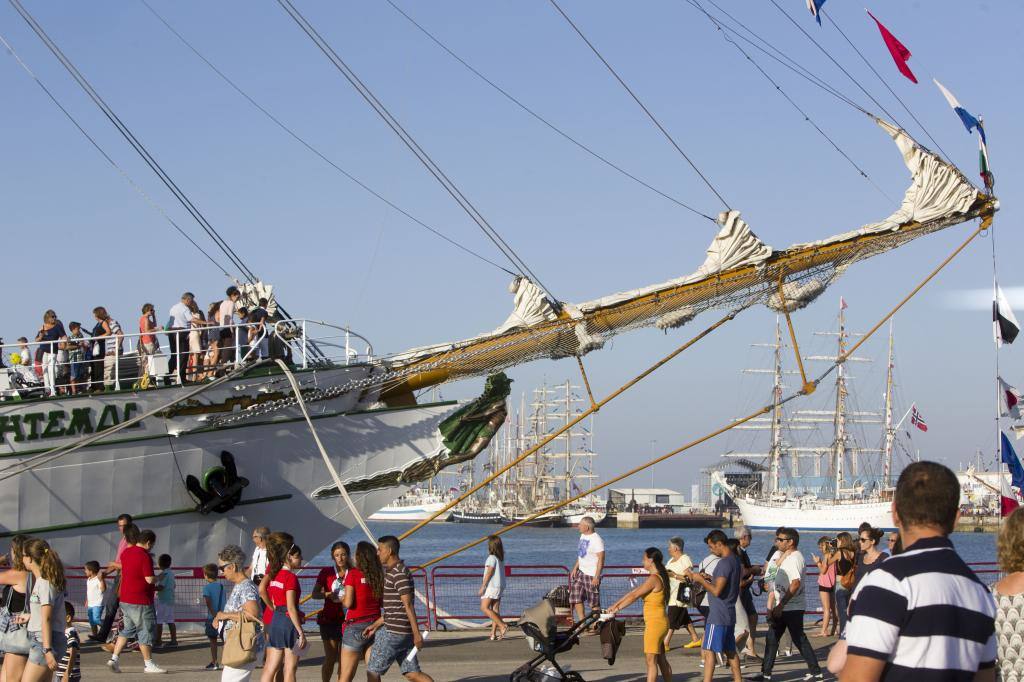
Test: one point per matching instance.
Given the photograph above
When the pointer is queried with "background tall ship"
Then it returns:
(832, 486)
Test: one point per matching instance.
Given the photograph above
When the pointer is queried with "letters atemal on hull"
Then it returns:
(57, 423)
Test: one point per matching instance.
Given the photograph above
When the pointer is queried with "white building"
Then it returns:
(651, 497)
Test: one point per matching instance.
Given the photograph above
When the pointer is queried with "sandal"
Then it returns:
(501, 634)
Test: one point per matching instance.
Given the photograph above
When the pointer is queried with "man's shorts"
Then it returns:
(719, 638)
(583, 591)
(139, 622)
(164, 613)
(389, 648)
(95, 615)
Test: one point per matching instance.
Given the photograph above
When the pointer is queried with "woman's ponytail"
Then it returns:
(51, 568)
(278, 545)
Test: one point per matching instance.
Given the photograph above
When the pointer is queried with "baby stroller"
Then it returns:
(538, 624)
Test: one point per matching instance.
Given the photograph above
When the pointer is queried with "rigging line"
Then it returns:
(313, 149)
(411, 143)
(132, 140)
(789, 99)
(642, 105)
(784, 59)
(10, 49)
(885, 83)
(838, 65)
(543, 120)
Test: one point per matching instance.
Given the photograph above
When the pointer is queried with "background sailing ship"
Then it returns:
(847, 476)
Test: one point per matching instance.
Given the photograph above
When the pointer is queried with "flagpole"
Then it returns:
(995, 342)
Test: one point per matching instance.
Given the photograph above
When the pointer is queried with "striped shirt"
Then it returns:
(925, 614)
(73, 644)
(397, 582)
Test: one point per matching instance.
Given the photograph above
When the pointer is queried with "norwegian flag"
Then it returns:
(917, 420)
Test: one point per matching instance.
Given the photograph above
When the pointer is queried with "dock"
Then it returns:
(462, 655)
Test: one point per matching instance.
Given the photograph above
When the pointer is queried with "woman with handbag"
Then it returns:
(14, 612)
(240, 620)
(845, 562)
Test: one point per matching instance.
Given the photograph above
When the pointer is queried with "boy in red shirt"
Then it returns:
(137, 590)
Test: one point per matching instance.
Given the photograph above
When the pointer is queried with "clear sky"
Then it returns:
(77, 236)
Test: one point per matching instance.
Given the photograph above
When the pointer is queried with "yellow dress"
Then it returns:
(655, 623)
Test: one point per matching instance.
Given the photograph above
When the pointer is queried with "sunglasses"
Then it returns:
(864, 539)
(223, 566)
(781, 539)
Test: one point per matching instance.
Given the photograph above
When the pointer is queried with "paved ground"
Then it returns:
(450, 656)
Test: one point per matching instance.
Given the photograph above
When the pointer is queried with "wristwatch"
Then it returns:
(47, 650)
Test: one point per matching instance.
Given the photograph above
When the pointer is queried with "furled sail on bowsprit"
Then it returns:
(740, 270)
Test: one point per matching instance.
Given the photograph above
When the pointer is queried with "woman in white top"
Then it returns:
(493, 585)
(1009, 594)
(47, 642)
(678, 614)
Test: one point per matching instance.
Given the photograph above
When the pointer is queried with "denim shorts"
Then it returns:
(139, 622)
(95, 615)
(352, 636)
(281, 634)
(58, 642)
(389, 648)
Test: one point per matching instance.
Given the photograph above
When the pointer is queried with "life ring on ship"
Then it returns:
(221, 487)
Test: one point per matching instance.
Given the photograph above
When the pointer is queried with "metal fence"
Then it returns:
(448, 596)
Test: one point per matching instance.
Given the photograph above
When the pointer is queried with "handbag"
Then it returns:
(241, 641)
(848, 579)
(15, 640)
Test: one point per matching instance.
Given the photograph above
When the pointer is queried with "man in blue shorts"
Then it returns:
(723, 588)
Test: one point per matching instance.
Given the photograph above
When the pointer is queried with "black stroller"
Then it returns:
(538, 624)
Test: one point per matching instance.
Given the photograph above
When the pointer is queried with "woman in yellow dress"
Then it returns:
(654, 592)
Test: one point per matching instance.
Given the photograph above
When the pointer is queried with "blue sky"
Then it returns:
(78, 236)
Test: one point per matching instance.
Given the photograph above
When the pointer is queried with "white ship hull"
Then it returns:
(73, 501)
(573, 518)
(415, 512)
(815, 515)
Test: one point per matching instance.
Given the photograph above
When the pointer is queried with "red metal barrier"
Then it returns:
(450, 593)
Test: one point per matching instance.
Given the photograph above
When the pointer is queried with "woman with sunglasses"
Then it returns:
(870, 557)
(244, 598)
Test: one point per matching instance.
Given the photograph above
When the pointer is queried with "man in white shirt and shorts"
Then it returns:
(585, 578)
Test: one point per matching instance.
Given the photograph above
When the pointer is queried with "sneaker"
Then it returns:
(692, 645)
(211, 666)
(814, 677)
(758, 677)
(152, 667)
(114, 666)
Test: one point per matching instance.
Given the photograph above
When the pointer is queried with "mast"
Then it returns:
(776, 447)
(568, 442)
(890, 430)
(839, 451)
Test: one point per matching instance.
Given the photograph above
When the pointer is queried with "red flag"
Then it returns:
(1007, 498)
(900, 53)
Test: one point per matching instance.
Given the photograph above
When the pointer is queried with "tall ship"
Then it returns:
(305, 426)
(828, 486)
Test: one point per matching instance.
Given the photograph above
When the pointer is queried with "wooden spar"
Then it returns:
(486, 354)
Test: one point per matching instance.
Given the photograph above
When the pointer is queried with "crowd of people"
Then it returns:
(201, 345)
(914, 608)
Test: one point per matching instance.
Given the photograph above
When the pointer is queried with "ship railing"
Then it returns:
(447, 597)
(303, 343)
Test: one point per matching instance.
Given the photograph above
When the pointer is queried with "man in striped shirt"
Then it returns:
(922, 616)
(396, 633)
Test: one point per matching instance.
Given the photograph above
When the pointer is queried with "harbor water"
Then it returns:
(557, 546)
